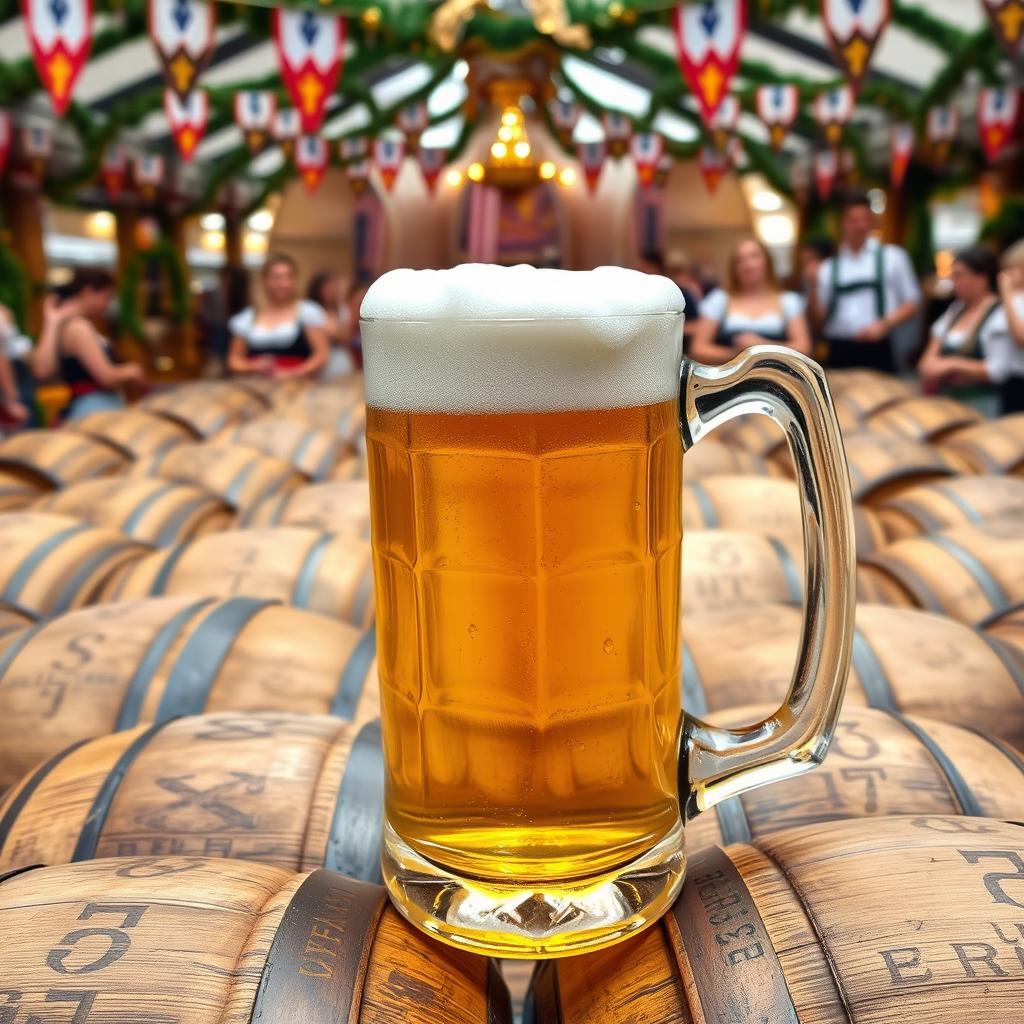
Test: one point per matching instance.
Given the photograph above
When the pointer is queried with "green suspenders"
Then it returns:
(876, 284)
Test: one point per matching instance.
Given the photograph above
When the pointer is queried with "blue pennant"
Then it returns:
(182, 14)
(310, 27)
(59, 9)
(779, 93)
(710, 17)
(999, 100)
(255, 102)
(856, 5)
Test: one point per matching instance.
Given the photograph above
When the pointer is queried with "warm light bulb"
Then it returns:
(101, 224)
(567, 177)
(212, 241)
(475, 172)
(505, 133)
(521, 149)
(510, 117)
(453, 179)
(499, 150)
(261, 220)
(547, 170)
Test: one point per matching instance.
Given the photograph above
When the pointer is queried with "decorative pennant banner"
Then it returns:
(311, 155)
(737, 154)
(188, 119)
(286, 127)
(826, 169)
(833, 110)
(998, 111)
(778, 107)
(114, 170)
(148, 171)
(358, 174)
(388, 154)
(708, 39)
(5, 139)
(592, 156)
(713, 165)
(853, 28)
(431, 160)
(618, 130)
(36, 146)
(724, 123)
(564, 116)
(352, 148)
(254, 114)
(903, 139)
(309, 49)
(60, 37)
(648, 149)
(182, 35)
(413, 120)
(941, 127)
(1008, 22)
(663, 170)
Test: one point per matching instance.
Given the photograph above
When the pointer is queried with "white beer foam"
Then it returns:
(481, 338)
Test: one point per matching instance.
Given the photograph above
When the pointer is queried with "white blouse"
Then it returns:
(716, 305)
(1002, 356)
(243, 325)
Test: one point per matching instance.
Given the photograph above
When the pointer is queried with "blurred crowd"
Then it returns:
(850, 300)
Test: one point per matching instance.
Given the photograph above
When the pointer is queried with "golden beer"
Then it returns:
(527, 573)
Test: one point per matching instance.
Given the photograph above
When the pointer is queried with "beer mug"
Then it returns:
(525, 457)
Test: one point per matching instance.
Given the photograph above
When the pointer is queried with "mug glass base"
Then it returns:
(528, 921)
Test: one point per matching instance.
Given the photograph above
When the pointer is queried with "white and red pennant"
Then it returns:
(114, 170)
(618, 129)
(388, 155)
(826, 170)
(853, 28)
(708, 40)
(311, 156)
(564, 113)
(431, 160)
(901, 152)
(310, 48)
(713, 165)
(182, 35)
(254, 113)
(725, 122)
(778, 107)
(998, 117)
(941, 127)
(148, 171)
(592, 156)
(412, 120)
(833, 110)
(187, 118)
(647, 149)
(1008, 23)
(60, 37)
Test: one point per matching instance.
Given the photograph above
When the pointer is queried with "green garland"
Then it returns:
(163, 253)
(14, 286)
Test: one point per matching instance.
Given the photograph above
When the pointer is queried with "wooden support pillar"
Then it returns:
(233, 227)
(189, 356)
(895, 222)
(127, 218)
(23, 213)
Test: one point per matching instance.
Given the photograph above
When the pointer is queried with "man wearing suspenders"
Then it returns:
(863, 292)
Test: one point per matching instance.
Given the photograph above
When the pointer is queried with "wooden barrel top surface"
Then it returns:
(996, 446)
(923, 419)
(204, 408)
(138, 434)
(310, 450)
(56, 458)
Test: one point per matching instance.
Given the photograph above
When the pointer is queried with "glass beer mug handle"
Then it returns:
(718, 763)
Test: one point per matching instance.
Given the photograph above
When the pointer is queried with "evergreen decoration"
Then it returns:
(163, 255)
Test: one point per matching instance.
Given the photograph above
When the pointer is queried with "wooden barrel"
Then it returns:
(169, 939)
(926, 419)
(868, 393)
(293, 564)
(727, 568)
(204, 407)
(758, 504)
(13, 619)
(156, 512)
(237, 475)
(342, 508)
(311, 451)
(295, 791)
(756, 434)
(337, 409)
(967, 572)
(18, 492)
(53, 563)
(136, 433)
(271, 390)
(112, 667)
(911, 919)
(883, 466)
(929, 508)
(996, 446)
(879, 763)
(716, 458)
(1007, 626)
(903, 660)
(56, 458)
